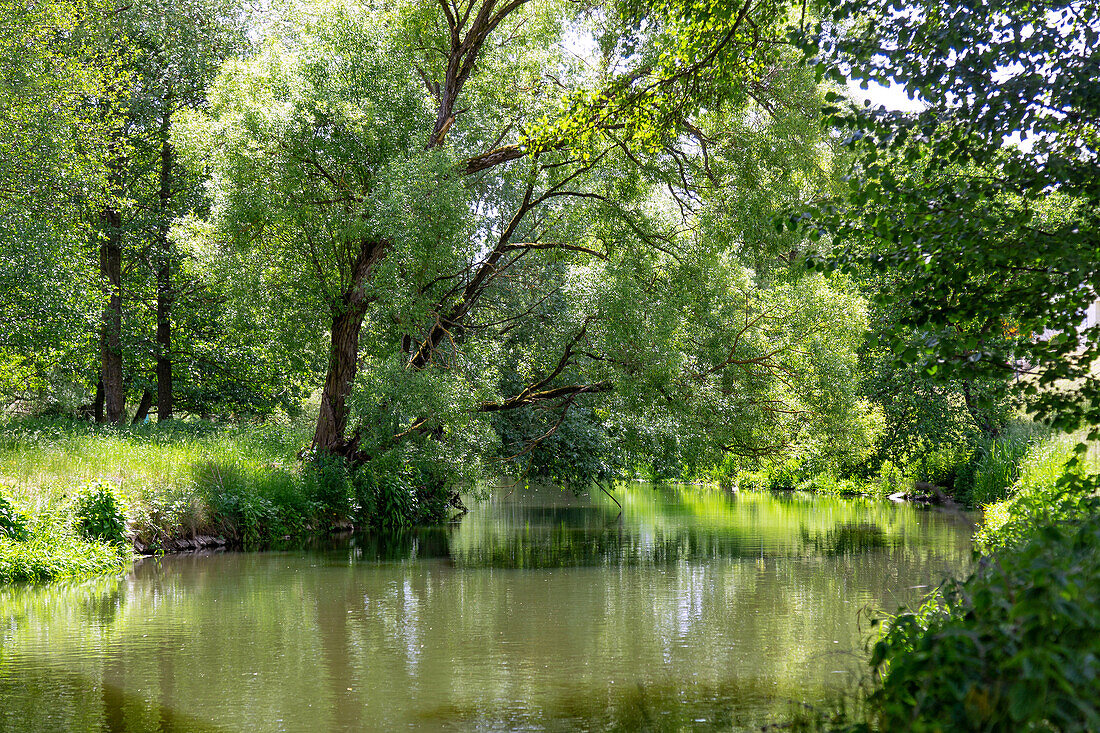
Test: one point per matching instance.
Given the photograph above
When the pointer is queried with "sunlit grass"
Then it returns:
(175, 480)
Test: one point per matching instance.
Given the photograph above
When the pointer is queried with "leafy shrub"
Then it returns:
(384, 493)
(51, 552)
(785, 476)
(1013, 647)
(1044, 464)
(828, 484)
(12, 523)
(942, 465)
(327, 484)
(892, 479)
(752, 481)
(98, 513)
(996, 468)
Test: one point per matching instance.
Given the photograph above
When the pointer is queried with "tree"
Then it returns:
(487, 223)
(988, 200)
(172, 52)
(52, 153)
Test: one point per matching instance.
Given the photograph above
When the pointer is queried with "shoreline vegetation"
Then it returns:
(79, 499)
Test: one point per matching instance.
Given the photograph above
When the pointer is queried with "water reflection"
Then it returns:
(694, 608)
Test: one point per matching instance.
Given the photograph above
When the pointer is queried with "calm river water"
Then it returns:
(694, 609)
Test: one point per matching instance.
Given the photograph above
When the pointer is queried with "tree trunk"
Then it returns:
(97, 404)
(143, 407)
(979, 413)
(110, 265)
(164, 343)
(164, 272)
(347, 321)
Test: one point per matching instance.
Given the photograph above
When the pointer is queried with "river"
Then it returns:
(692, 609)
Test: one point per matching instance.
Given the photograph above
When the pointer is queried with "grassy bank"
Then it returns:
(1015, 645)
(182, 480)
(980, 474)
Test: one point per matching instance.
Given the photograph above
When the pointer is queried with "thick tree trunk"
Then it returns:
(143, 407)
(342, 365)
(347, 321)
(164, 272)
(110, 265)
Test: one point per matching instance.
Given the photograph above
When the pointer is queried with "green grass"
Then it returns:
(53, 551)
(178, 480)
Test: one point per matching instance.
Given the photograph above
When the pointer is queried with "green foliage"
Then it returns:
(51, 553)
(996, 469)
(326, 484)
(994, 242)
(254, 505)
(393, 492)
(51, 542)
(826, 484)
(12, 523)
(386, 494)
(98, 513)
(1012, 647)
(891, 479)
(1053, 485)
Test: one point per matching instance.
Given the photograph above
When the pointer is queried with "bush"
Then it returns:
(996, 468)
(1013, 647)
(51, 552)
(385, 493)
(328, 486)
(828, 484)
(785, 476)
(98, 514)
(892, 479)
(942, 466)
(12, 523)
(1053, 486)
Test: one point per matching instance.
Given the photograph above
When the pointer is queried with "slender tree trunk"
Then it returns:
(110, 265)
(347, 321)
(164, 272)
(143, 407)
(97, 405)
(164, 343)
(978, 413)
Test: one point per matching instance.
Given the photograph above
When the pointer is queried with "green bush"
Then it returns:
(328, 485)
(892, 479)
(942, 466)
(1054, 485)
(1013, 647)
(996, 468)
(98, 513)
(785, 476)
(828, 484)
(12, 523)
(385, 494)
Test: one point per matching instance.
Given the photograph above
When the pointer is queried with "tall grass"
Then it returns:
(174, 481)
(1048, 488)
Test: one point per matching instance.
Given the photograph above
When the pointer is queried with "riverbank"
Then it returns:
(80, 499)
(978, 474)
(180, 486)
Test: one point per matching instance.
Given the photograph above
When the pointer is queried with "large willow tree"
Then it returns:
(534, 205)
